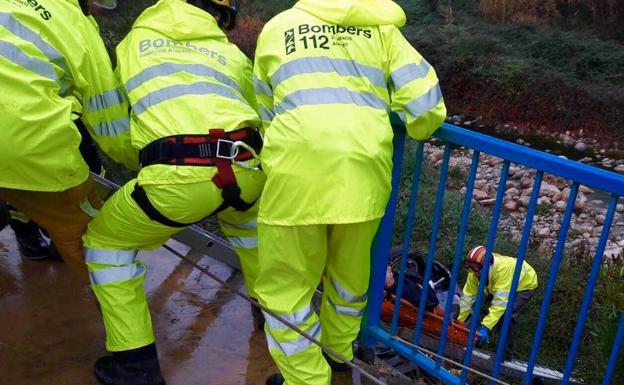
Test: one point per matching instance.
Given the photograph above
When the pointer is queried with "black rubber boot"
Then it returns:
(131, 367)
(275, 379)
(258, 317)
(30, 242)
(335, 365)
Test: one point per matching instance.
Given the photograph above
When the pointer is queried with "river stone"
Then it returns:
(619, 168)
(520, 141)
(600, 219)
(511, 205)
(480, 195)
(513, 192)
(543, 232)
(548, 189)
(560, 206)
(586, 159)
(556, 198)
(543, 201)
(580, 146)
(526, 182)
(585, 190)
(487, 202)
(619, 208)
(524, 201)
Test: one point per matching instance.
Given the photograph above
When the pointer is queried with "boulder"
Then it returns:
(511, 205)
(548, 189)
(480, 195)
(580, 146)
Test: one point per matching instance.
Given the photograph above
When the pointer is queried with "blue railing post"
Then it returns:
(407, 236)
(615, 352)
(437, 218)
(476, 311)
(382, 244)
(550, 286)
(589, 291)
(463, 227)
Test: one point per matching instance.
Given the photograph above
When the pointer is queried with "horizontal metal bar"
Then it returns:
(552, 164)
(421, 360)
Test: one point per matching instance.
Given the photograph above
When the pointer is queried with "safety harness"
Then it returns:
(217, 149)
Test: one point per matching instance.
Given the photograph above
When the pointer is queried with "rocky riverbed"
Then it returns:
(587, 221)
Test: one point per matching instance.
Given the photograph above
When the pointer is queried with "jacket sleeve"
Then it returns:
(105, 110)
(262, 86)
(414, 87)
(500, 290)
(468, 297)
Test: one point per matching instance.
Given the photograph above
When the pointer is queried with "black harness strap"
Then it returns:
(212, 150)
(140, 197)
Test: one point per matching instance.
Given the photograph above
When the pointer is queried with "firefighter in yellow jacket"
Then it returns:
(327, 73)
(54, 69)
(194, 122)
(498, 285)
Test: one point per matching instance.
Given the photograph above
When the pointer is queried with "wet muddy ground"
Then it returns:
(51, 331)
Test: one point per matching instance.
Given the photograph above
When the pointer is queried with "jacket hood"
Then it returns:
(179, 21)
(358, 13)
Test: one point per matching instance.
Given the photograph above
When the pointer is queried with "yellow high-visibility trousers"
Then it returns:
(122, 228)
(294, 260)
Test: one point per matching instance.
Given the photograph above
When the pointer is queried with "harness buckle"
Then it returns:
(233, 150)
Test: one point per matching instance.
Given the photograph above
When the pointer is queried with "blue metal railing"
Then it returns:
(579, 174)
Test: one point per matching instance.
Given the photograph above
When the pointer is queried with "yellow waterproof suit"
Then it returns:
(327, 73)
(54, 69)
(498, 285)
(182, 76)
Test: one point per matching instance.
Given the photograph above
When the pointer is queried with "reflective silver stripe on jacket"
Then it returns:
(110, 257)
(318, 96)
(297, 318)
(38, 66)
(322, 64)
(243, 242)
(113, 127)
(166, 69)
(265, 113)
(106, 99)
(410, 72)
(342, 292)
(300, 344)
(53, 55)
(424, 103)
(251, 225)
(262, 87)
(501, 294)
(345, 310)
(115, 274)
(500, 303)
(172, 92)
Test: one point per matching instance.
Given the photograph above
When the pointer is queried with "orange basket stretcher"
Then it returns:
(432, 321)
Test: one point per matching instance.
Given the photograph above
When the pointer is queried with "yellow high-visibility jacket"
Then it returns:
(54, 68)
(498, 285)
(182, 76)
(327, 73)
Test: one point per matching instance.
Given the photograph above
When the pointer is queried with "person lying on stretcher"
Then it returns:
(435, 301)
